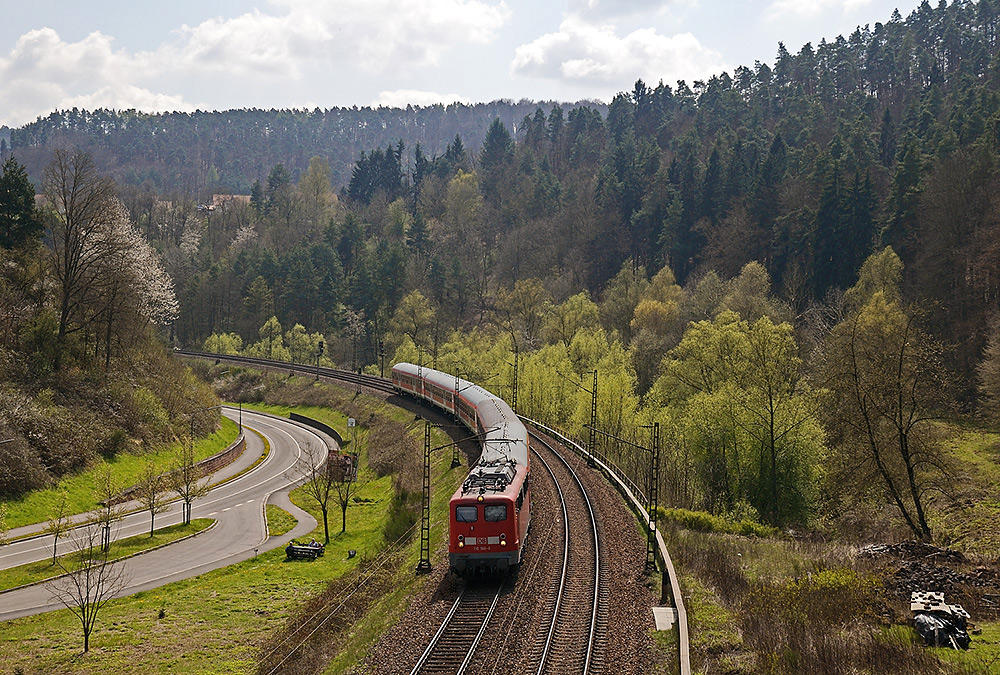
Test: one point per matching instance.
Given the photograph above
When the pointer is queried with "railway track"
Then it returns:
(453, 646)
(576, 626)
(567, 631)
(379, 384)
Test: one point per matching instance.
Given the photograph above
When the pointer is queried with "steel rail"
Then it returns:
(370, 381)
(670, 579)
(595, 600)
(565, 565)
(437, 647)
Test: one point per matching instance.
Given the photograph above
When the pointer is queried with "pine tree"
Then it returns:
(19, 221)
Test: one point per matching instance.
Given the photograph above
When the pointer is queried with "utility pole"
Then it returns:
(319, 353)
(424, 565)
(513, 393)
(456, 459)
(650, 491)
(654, 497)
(593, 423)
(592, 442)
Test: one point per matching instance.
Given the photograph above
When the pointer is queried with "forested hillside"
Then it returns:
(84, 374)
(888, 136)
(757, 260)
(194, 154)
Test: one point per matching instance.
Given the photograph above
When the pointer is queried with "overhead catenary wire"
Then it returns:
(388, 553)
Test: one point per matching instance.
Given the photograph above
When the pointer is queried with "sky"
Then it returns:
(191, 55)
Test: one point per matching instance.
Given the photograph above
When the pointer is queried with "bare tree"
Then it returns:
(107, 490)
(344, 473)
(3, 525)
(185, 479)
(149, 492)
(318, 480)
(78, 223)
(888, 386)
(91, 579)
(59, 522)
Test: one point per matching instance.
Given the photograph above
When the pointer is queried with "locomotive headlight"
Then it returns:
(480, 498)
(461, 544)
(461, 537)
(503, 535)
(503, 542)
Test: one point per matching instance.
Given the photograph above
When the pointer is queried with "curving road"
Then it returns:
(237, 506)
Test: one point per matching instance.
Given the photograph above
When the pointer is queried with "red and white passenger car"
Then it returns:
(491, 511)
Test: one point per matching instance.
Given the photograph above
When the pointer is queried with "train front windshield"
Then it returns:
(495, 513)
(466, 514)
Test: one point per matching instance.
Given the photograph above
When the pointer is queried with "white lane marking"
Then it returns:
(260, 421)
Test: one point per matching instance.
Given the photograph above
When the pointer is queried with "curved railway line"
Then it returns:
(577, 623)
(569, 634)
(572, 636)
(370, 381)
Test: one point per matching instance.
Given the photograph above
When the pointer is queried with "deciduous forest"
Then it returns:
(793, 267)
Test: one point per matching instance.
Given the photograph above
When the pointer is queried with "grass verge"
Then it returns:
(217, 622)
(45, 569)
(38, 506)
(279, 521)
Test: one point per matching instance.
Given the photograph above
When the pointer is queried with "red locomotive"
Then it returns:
(491, 511)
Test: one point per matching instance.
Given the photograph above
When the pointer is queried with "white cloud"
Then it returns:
(368, 34)
(811, 8)
(288, 42)
(125, 96)
(42, 72)
(602, 9)
(43, 55)
(400, 98)
(584, 54)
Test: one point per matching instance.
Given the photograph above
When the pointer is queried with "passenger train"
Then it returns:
(490, 513)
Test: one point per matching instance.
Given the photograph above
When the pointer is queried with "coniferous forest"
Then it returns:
(757, 260)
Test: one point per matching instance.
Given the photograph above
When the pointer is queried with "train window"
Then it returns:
(520, 498)
(466, 514)
(494, 513)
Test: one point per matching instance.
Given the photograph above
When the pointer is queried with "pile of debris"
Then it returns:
(912, 550)
(938, 623)
(918, 566)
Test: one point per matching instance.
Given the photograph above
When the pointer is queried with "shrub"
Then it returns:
(20, 469)
(701, 521)
(403, 514)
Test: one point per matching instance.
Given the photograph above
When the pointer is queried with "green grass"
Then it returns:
(983, 655)
(973, 527)
(45, 569)
(711, 627)
(38, 506)
(279, 521)
(215, 623)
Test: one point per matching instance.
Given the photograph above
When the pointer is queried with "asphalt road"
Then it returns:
(236, 505)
